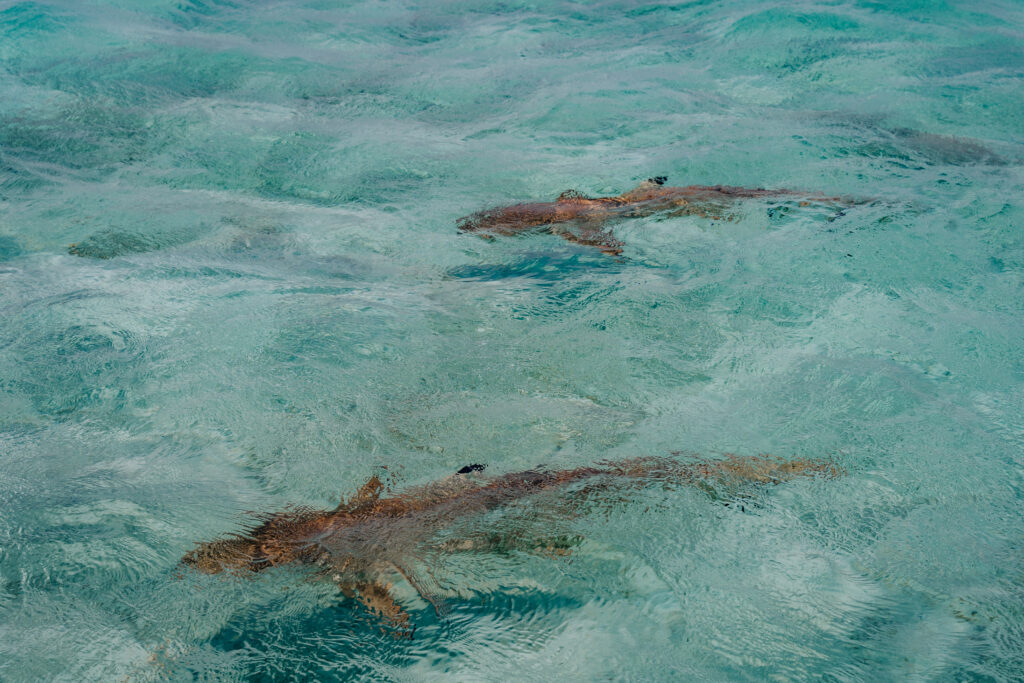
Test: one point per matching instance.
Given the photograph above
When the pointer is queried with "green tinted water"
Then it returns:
(267, 302)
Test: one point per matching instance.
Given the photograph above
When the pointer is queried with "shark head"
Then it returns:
(282, 538)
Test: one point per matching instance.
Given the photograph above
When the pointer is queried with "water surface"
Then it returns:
(268, 302)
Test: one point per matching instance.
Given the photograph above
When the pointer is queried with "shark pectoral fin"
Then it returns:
(424, 590)
(602, 239)
(376, 598)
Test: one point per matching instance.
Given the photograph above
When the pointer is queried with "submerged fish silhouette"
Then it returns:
(369, 541)
(581, 219)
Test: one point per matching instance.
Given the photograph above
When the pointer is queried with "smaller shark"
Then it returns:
(581, 219)
(371, 540)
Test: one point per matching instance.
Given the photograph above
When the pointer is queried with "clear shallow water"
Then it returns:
(268, 302)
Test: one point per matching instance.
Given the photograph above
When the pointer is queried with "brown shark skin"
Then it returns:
(581, 219)
(368, 540)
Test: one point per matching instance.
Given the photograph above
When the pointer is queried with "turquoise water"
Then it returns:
(268, 302)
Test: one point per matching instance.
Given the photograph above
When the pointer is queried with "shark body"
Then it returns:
(370, 540)
(583, 220)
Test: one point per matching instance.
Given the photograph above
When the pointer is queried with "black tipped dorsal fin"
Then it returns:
(572, 197)
(649, 184)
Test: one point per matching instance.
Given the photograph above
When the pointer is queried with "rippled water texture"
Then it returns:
(267, 302)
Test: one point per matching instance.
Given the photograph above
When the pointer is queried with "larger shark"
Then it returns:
(584, 220)
(372, 540)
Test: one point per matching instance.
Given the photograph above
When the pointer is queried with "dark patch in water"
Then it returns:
(112, 243)
(108, 244)
(543, 266)
(874, 137)
(340, 642)
(9, 248)
(947, 149)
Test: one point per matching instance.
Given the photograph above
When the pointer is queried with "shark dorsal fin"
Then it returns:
(572, 197)
(367, 493)
(646, 186)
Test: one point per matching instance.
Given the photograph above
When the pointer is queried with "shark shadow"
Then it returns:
(584, 220)
(371, 540)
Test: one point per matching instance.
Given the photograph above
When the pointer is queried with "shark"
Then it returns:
(372, 540)
(583, 220)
